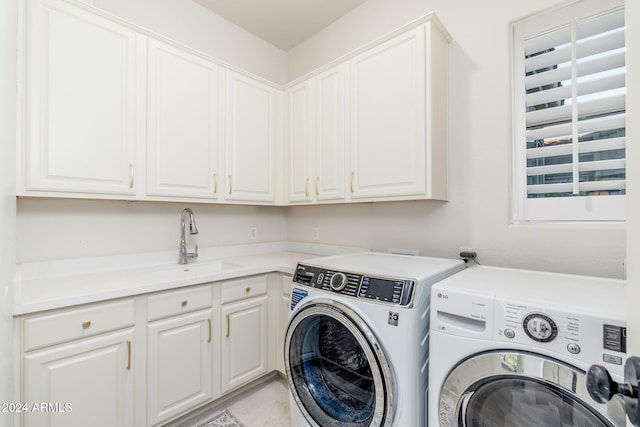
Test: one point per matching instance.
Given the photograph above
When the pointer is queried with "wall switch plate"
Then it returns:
(315, 233)
(253, 233)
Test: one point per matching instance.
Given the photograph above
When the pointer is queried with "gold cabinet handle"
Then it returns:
(230, 184)
(317, 185)
(131, 175)
(228, 326)
(247, 289)
(128, 354)
(86, 324)
(209, 322)
(215, 183)
(306, 187)
(351, 181)
(184, 303)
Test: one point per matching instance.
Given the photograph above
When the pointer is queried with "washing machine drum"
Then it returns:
(520, 389)
(337, 371)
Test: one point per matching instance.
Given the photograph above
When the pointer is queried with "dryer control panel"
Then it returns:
(584, 336)
(396, 291)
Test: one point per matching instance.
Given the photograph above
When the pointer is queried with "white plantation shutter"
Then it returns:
(569, 102)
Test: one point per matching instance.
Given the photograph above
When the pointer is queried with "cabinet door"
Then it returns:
(88, 383)
(179, 363)
(283, 320)
(329, 151)
(300, 142)
(250, 140)
(244, 345)
(388, 118)
(184, 102)
(81, 101)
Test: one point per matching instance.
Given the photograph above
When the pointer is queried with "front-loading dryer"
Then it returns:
(512, 348)
(356, 346)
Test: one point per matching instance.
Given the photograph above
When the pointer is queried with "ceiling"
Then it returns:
(283, 23)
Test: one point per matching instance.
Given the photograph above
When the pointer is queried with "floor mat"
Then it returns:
(223, 419)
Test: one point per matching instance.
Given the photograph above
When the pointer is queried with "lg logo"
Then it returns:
(443, 296)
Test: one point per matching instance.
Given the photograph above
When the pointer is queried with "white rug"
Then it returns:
(223, 419)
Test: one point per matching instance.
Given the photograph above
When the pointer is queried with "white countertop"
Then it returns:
(57, 284)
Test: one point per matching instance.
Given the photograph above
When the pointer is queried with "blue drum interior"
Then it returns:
(331, 373)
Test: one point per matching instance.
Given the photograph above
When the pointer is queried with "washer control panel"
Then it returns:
(396, 291)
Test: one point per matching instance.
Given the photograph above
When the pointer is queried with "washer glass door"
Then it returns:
(337, 372)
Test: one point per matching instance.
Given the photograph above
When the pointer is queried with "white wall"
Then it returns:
(196, 26)
(478, 214)
(62, 229)
(8, 63)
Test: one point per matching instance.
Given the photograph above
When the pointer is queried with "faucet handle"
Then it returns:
(195, 254)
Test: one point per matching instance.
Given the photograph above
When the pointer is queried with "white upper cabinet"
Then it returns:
(81, 84)
(316, 137)
(300, 149)
(250, 140)
(114, 111)
(398, 118)
(330, 155)
(388, 118)
(185, 102)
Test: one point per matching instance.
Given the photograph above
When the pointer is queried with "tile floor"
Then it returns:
(264, 405)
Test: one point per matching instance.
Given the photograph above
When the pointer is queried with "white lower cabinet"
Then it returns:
(244, 320)
(86, 380)
(283, 320)
(179, 352)
(149, 359)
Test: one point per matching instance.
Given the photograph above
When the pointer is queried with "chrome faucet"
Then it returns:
(184, 255)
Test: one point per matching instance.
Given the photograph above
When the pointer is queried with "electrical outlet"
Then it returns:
(315, 233)
(253, 233)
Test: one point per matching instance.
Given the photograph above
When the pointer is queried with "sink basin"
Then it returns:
(190, 270)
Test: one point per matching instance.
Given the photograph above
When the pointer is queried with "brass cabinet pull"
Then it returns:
(228, 326)
(209, 322)
(131, 175)
(230, 184)
(128, 354)
(351, 181)
(317, 185)
(215, 183)
(247, 289)
(86, 324)
(184, 303)
(306, 187)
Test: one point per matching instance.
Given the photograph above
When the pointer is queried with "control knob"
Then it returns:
(338, 282)
(540, 327)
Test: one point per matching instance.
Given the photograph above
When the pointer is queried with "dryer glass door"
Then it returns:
(337, 372)
(521, 389)
(519, 402)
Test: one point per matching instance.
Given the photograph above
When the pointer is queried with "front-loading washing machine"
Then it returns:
(512, 348)
(356, 346)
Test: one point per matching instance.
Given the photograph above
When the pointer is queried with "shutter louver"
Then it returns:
(575, 92)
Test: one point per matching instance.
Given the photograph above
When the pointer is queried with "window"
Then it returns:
(569, 114)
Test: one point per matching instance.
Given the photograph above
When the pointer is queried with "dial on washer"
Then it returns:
(540, 327)
(338, 281)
